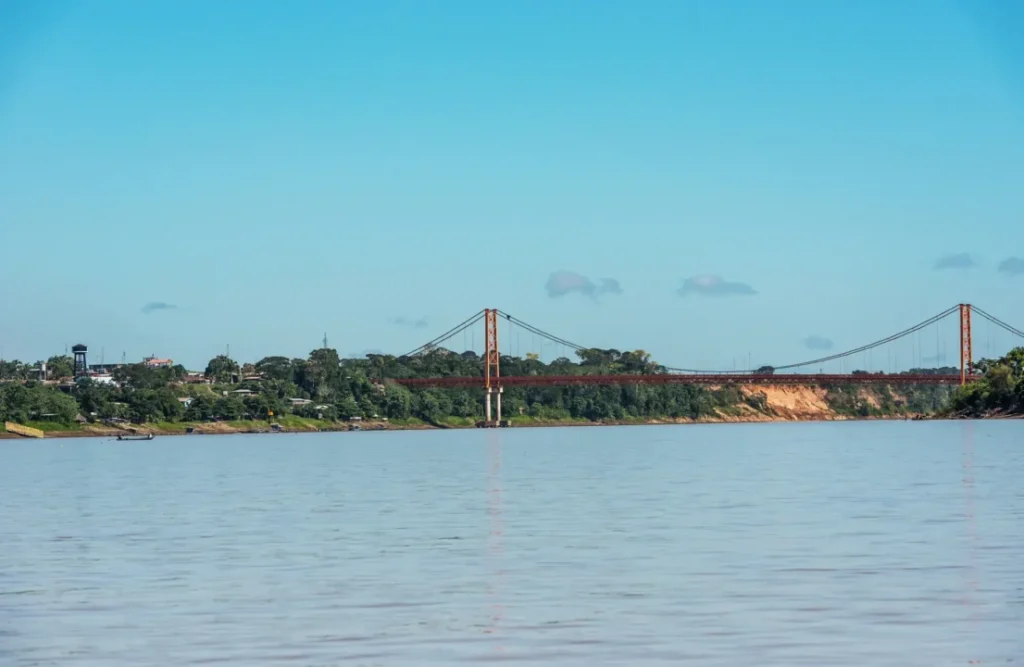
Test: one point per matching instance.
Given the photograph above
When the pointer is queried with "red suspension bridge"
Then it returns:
(493, 382)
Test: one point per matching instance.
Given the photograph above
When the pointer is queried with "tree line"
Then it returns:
(1000, 390)
(331, 388)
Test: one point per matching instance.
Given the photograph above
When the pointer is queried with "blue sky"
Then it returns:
(699, 179)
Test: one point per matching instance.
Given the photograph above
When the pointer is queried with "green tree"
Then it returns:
(324, 371)
(397, 401)
(229, 408)
(139, 376)
(58, 367)
(202, 408)
(96, 400)
(149, 405)
(347, 407)
(432, 406)
(276, 368)
(36, 402)
(261, 406)
(222, 369)
(13, 370)
(1001, 388)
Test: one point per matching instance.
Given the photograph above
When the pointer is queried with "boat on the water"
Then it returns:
(148, 436)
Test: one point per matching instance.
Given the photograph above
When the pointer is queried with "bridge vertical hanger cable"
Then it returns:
(877, 343)
(998, 322)
(492, 354)
(833, 357)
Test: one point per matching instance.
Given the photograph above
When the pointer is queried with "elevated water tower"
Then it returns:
(81, 366)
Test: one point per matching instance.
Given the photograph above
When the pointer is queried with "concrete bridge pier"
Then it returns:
(496, 392)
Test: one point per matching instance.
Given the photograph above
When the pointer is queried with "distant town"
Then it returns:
(57, 374)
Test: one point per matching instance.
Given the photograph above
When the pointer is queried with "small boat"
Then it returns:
(148, 436)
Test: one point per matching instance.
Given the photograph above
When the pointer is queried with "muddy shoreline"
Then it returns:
(95, 431)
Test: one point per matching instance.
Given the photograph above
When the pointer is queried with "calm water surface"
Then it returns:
(780, 544)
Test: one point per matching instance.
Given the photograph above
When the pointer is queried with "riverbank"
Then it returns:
(252, 427)
(754, 405)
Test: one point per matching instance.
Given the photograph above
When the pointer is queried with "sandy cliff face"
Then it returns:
(769, 403)
(793, 403)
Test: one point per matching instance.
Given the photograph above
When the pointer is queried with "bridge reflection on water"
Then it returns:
(497, 529)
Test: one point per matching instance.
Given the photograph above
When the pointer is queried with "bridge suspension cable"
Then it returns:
(832, 357)
(477, 317)
(454, 331)
(577, 347)
(998, 322)
(543, 334)
(870, 346)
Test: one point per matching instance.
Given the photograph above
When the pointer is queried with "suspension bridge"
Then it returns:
(493, 382)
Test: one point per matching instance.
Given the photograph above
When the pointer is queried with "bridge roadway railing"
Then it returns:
(674, 378)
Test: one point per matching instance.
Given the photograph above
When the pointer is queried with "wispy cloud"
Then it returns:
(561, 283)
(154, 306)
(818, 343)
(961, 260)
(420, 323)
(714, 286)
(1013, 266)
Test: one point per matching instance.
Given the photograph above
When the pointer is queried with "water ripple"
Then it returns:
(807, 544)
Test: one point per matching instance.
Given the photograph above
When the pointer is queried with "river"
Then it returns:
(853, 544)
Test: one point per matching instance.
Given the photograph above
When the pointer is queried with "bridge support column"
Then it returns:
(966, 353)
(492, 363)
(496, 393)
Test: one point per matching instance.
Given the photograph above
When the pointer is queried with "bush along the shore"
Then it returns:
(999, 392)
(326, 387)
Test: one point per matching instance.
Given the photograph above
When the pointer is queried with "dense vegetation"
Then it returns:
(326, 387)
(1000, 391)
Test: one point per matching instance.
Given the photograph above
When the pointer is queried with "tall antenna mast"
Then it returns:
(325, 340)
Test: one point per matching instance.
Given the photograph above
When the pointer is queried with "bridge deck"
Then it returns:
(663, 379)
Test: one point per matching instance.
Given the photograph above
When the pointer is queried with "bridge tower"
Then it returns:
(966, 354)
(492, 362)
